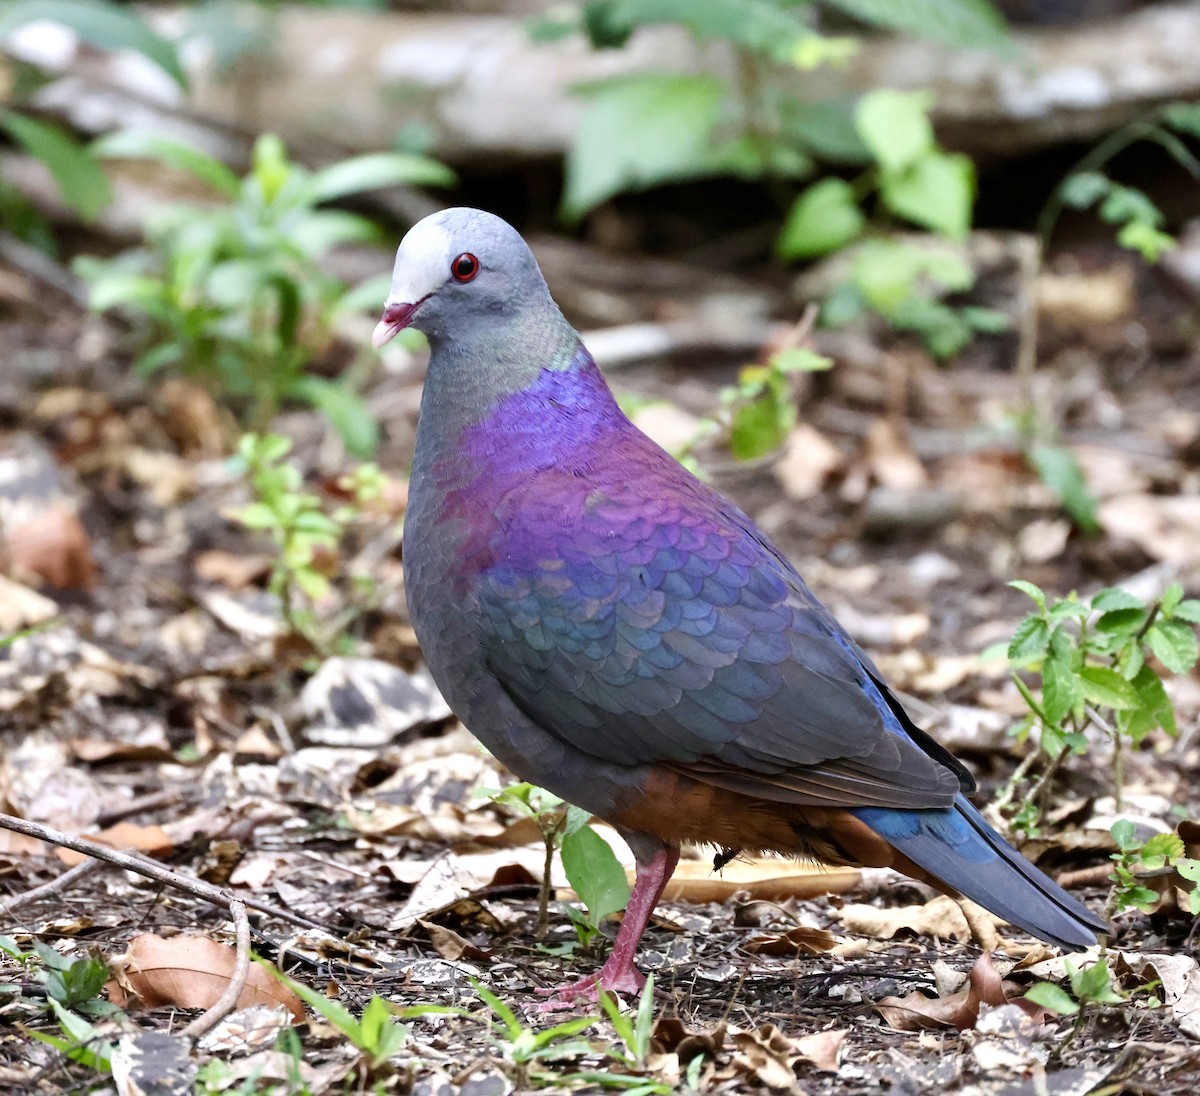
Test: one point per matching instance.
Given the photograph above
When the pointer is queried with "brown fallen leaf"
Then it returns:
(672, 1036)
(801, 940)
(985, 986)
(771, 1057)
(51, 545)
(808, 460)
(124, 835)
(449, 945)
(190, 972)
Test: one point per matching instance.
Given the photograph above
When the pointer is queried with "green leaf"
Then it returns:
(971, 23)
(763, 26)
(1167, 846)
(895, 127)
(1124, 833)
(640, 131)
(346, 411)
(1113, 597)
(1031, 591)
(759, 427)
(83, 185)
(1029, 640)
(1184, 117)
(824, 218)
(1094, 983)
(1171, 597)
(886, 273)
(1053, 997)
(1121, 622)
(1083, 189)
(936, 192)
(1107, 688)
(1174, 645)
(127, 144)
(104, 25)
(594, 873)
(825, 129)
(1061, 689)
(1188, 610)
(1154, 708)
(1149, 242)
(376, 171)
(1059, 469)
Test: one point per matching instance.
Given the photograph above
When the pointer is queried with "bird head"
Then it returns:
(457, 266)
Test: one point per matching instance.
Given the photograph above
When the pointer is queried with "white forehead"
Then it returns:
(422, 262)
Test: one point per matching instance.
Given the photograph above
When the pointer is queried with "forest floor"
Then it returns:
(155, 696)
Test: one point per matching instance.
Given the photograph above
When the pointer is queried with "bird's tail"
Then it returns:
(956, 846)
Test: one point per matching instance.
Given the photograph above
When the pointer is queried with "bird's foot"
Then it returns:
(613, 977)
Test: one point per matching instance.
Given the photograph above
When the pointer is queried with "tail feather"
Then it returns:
(957, 846)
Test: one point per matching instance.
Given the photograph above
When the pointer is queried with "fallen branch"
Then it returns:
(15, 901)
(150, 869)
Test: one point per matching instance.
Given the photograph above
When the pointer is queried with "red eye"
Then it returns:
(465, 267)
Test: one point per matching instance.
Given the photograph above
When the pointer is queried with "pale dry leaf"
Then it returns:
(891, 458)
(21, 607)
(807, 462)
(941, 917)
(191, 972)
(766, 878)
(800, 940)
(233, 570)
(917, 1012)
(453, 876)
(50, 546)
(1165, 527)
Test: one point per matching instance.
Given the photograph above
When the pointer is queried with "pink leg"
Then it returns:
(619, 975)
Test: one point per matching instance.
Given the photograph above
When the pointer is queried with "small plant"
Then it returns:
(1089, 986)
(1131, 211)
(376, 1033)
(760, 409)
(305, 533)
(233, 293)
(1134, 861)
(70, 987)
(634, 1032)
(588, 860)
(1082, 665)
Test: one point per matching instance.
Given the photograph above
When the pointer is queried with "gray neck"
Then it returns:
(484, 359)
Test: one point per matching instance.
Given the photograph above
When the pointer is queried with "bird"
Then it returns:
(615, 630)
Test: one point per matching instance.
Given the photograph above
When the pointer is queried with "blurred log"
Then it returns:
(345, 78)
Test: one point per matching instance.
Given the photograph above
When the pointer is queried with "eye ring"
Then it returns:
(464, 268)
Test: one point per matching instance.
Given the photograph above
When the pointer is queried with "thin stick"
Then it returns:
(150, 869)
(14, 902)
(228, 1000)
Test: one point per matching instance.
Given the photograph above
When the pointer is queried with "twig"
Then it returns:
(150, 869)
(15, 901)
(168, 797)
(228, 1000)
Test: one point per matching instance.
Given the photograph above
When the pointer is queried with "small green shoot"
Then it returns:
(634, 1032)
(1093, 665)
(376, 1034)
(302, 528)
(234, 294)
(1134, 861)
(1131, 211)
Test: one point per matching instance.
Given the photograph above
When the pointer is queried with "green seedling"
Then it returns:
(233, 293)
(302, 528)
(1093, 665)
(1135, 861)
(1132, 212)
(376, 1034)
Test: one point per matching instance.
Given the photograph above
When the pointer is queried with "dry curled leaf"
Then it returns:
(450, 945)
(190, 972)
(801, 940)
(985, 986)
(771, 1057)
